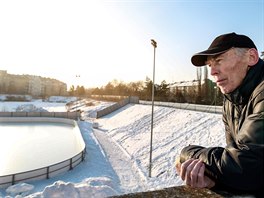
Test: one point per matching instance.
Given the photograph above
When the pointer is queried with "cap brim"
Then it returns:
(200, 58)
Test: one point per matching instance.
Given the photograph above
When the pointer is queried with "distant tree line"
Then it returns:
(78, 91)
(204, 91)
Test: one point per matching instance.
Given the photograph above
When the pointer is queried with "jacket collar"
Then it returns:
(254, 76)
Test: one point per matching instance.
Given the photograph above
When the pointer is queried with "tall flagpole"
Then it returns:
(154, 43)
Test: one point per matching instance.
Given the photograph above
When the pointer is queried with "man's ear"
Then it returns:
(253, 57)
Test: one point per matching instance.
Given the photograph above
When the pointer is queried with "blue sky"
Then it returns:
(105, 40)
(183, 28)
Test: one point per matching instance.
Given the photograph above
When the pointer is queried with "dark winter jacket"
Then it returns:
(238, 166)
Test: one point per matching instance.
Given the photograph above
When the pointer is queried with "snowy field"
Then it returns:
(117, 157)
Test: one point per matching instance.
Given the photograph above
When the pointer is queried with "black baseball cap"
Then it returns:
(222, 44)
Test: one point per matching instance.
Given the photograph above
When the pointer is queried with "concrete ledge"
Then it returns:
(182, 192)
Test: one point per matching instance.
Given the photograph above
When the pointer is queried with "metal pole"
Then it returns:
(154, 43)
(76, 102)
(215, 90)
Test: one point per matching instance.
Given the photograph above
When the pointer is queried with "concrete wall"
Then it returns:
(135, 100)
(184, 192)
(116, 106)
(187, 106)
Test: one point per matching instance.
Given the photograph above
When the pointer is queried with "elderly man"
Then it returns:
(239, 73)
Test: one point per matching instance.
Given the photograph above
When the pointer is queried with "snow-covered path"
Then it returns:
(130, 180)
(129, 127)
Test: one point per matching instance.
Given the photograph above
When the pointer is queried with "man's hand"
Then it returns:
(192, 172)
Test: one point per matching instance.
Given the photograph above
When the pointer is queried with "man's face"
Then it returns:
(228, 69)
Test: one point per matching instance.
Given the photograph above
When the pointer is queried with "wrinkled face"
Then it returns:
(228, 69)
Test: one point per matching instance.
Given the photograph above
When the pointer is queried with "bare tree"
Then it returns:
(199, 79)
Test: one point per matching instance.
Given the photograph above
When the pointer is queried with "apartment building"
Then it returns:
(29, 84)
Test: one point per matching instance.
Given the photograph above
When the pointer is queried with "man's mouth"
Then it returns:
(220, 82)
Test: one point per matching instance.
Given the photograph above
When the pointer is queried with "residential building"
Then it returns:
(30, 84)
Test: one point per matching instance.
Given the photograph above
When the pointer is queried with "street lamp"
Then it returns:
(154, 43)
(77, 91)
(77, 84)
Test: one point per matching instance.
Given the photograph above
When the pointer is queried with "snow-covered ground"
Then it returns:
(117, 157)
(36, 105)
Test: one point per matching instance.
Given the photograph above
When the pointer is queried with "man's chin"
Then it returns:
(224, 90)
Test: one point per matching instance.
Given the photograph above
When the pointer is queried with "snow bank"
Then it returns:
(62, 99)
(15, 97)
(91, 187)
(29, 108)
(36, 105)
(22, 189)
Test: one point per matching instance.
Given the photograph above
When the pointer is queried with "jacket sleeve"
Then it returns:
(239, 165)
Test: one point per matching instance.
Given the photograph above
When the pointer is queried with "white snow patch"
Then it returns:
(117, 158)
(22, 189)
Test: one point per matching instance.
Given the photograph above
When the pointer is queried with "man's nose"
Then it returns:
(214, 71)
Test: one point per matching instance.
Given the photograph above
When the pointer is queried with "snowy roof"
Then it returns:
(186, 83)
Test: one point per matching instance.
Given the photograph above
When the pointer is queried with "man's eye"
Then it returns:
(218, 60)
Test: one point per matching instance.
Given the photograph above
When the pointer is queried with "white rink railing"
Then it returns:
(70, 115)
